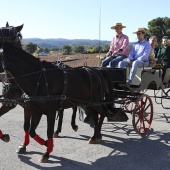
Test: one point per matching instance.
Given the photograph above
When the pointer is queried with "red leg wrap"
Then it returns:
(26, 138)
(1, 134)
(50, 145)
(39, 140)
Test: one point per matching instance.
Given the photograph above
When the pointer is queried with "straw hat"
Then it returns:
(118, 25)
(139, 30)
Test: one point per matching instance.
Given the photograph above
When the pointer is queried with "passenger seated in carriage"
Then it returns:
(154, 50)
(164, 56)
(139, 55)
(119, 49)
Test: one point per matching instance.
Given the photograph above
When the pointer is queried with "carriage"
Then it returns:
(134, 99)
(101, 91)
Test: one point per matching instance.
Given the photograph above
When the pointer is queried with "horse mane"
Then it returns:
(10, 49)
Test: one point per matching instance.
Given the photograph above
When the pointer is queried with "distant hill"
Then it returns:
(59, 42)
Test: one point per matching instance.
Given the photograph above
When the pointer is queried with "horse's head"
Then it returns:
(10, 34)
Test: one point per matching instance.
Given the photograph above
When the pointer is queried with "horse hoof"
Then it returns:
(44, 158)
(91, 141)
(5, 138)
(55, 135)
(75, 129)
(21, 149)
(99, 139)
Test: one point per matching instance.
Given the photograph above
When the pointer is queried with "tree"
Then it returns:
(159, 27)
(31, 48)
(66, 49)
(46, 50)
(97, 49)
(79, 49)
(90, 50)
(106, 48)
(168, 33)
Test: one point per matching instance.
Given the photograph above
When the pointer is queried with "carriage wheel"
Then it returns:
(142, 114)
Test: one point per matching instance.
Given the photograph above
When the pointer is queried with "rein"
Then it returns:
(63, 97)
(42, 73)
(24, 75)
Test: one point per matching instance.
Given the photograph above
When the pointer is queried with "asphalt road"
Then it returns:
(121, 148)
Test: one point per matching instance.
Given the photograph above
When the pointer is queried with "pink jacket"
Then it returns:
(121, 42)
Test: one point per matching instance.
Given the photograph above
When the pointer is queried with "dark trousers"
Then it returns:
(164, 70)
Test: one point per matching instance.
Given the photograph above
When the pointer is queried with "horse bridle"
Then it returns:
(17, 36)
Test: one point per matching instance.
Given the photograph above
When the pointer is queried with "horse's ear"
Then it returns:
(19, 28)
(7, 25)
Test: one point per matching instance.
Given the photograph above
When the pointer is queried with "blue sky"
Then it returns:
(79, 19)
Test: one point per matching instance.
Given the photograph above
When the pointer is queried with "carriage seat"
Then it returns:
(137, 78)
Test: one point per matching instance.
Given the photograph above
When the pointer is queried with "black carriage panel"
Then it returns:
(117, 75)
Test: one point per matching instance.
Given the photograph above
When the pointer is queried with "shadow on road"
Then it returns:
(149, 152)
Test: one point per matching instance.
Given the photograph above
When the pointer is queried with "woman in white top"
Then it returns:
(152, 55)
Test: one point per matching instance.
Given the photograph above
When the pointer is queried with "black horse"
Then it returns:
(12, 91)
(49, 88)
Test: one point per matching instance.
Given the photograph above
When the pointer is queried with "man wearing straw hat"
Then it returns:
(138, 56)
(119, 49)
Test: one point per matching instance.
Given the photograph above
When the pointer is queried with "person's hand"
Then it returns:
(108, 54)
(120, 50)
(114, 53)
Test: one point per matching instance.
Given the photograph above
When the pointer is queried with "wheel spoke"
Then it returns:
(147, 107)
(145, 102)
(146, 120)
(139, 107)
(140, 126)
(137, 122)
(143, 124)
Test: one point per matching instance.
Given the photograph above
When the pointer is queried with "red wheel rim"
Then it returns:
(142, 114)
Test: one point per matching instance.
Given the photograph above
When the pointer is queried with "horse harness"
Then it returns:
(61, 98)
